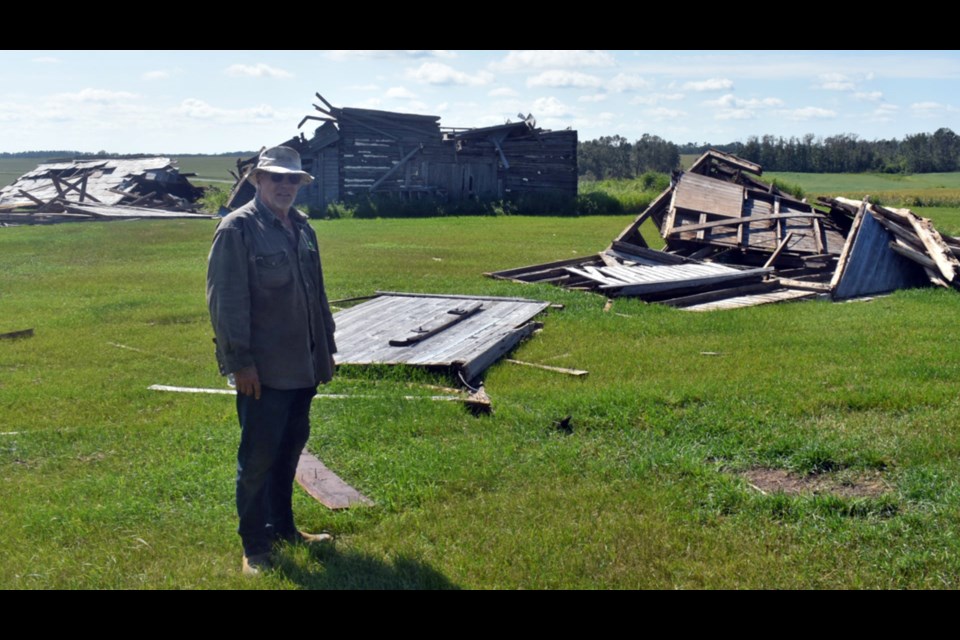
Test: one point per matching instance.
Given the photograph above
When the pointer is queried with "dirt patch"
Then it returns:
(843, 483)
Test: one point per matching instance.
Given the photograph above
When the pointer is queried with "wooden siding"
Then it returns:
(364, 332)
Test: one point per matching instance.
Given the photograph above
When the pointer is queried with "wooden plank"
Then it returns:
(473, 368)
(661, 257)
(657, 287)
(848, 245)
(719, 294)
(452, 317)
(701, 194)
(396, 167)
(14, 335)
(456, 297)
(779, 250)
(751, 300)
(325, 486)
(915, 256)
(747, 220)
(545, 367)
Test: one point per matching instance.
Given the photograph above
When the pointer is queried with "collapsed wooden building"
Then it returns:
(357, 153)
(100, 189)
(733, 240)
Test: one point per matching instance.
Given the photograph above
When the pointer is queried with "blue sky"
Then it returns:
(214, 101)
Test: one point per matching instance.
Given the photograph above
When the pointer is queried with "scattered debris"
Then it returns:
(358, 152)
(319, 396)
(546, 367)
(733, 240)
(106, 189)
(766, 480)
(325, 486)
(16, 335)
(385, 330)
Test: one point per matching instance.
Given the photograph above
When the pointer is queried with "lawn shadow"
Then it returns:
(328, 568)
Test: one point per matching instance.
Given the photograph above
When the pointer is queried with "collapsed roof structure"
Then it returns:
(359, 152)
(733, 240)
(99, 189)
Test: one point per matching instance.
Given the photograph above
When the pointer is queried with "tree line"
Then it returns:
(616, 157)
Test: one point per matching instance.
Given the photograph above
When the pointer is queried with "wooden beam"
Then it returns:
(731, 222)
(452, 317)
(545, 367)
(848, 245)
(780, 248)
(396, 167)
(14, 335)
(325, 486)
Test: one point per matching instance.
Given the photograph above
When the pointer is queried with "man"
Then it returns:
(274, 333)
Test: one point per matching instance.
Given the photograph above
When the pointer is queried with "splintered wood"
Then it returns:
(733, 240)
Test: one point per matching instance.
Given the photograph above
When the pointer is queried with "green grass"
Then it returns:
(104, 484)
(916, 190)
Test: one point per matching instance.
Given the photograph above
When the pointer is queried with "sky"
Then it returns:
(220, 101)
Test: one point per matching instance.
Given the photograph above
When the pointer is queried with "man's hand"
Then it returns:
(248, 381)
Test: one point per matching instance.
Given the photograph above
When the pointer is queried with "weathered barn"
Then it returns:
(361, 152)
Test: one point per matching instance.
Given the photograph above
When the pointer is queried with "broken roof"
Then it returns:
(102, 181)
(465, 333)
(733, 240)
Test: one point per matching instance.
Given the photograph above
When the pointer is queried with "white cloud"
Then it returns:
(502, 92)
(377, 54)
(400, 92)
(713, 84)
(663, 113)
(442, 107)
(869, 96)
(931, 108)
(656, 98)
(729, 101)
(553, 59)
(550, 107)
(439, 73)
(259, 70)
(158, 74)
(809, 113)
(200, 110)
(46, 60)
(885, 112)
(564, 78)
(836, 82)
(606, 116)
(736, 114)
(101, 96)
(364, 87)
(627, 82)
(596, 97)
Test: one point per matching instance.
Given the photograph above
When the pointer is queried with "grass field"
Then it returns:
(105, 484)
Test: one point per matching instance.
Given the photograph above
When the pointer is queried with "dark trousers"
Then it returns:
(273, 432)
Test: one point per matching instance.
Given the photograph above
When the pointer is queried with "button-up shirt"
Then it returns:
(267, 302)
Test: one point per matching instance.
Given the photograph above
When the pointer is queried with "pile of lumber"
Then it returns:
(732, 240)
(97, 189)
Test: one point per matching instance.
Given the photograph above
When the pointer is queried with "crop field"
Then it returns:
(804, 445)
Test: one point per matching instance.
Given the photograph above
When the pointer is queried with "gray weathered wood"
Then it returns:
(325, 486)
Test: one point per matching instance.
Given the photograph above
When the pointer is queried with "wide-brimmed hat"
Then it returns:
(279, 160)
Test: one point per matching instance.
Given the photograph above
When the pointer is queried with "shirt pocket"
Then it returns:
(274, 270)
